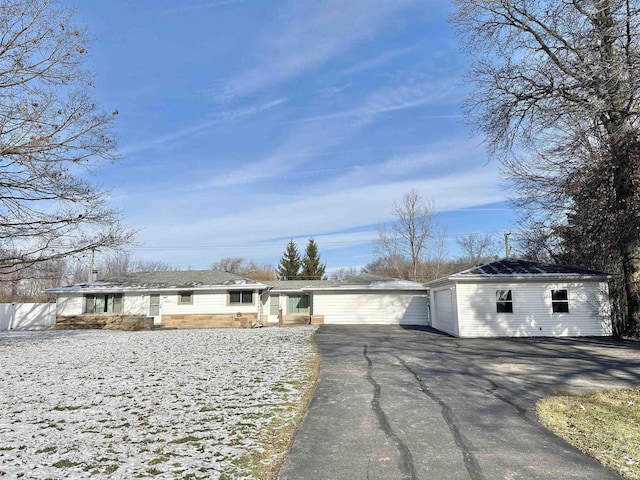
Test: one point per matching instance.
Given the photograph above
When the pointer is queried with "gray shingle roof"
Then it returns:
(363, 281)
(168, 279)
(513, 266)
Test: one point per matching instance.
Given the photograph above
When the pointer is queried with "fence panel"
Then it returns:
(27, 316)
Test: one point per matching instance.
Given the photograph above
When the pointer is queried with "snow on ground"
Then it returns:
(159, 404)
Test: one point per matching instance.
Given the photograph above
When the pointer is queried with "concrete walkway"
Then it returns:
(396, 403)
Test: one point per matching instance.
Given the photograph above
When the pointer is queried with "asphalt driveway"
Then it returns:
(403, 403)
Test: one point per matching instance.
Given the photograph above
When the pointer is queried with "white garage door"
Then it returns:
(382, 308)
(444, 315)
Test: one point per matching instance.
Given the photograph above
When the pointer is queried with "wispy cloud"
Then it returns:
(201, 6)
(308, 34)
(307, 142)
(377, 61)
(334, 214)
(325, 131)
(391, 99)
(216, 118)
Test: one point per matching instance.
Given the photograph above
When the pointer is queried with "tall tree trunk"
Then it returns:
(624, 151)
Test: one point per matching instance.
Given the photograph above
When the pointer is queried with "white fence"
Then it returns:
(27, 316)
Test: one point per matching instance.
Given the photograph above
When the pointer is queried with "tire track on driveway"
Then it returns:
(470, 461)
(406, 463)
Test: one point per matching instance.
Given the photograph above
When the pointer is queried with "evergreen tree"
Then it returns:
(312, 269)
(289, 265)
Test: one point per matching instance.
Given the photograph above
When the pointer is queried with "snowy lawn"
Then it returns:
(162, 404)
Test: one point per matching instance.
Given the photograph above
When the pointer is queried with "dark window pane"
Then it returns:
(559, 295)
(117, 303)
(185, 297)
(560, 307)
(247, 296)
(90, 304)
(503, 295)
(504, 307)
(234, 297)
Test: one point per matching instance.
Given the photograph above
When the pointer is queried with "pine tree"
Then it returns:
(289, 265)
(312, 269)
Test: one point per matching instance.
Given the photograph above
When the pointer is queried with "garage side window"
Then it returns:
(560, 301)
(504, 301)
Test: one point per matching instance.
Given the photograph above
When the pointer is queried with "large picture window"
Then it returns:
(504, 301)
(560, 301)
(241, 297)
(298, 304)
(103, 303)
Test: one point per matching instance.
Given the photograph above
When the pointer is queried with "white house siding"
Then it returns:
(444, 309)
(69, 304)
(375, 307)
(205, 302)
(532, 310)
(135, 304)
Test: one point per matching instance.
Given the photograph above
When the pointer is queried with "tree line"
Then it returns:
(557, 97)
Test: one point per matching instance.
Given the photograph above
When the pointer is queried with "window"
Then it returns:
(185, 298)
(298, 304)
(560, 301)
(241, 297)
(504, 301)
(103, 303)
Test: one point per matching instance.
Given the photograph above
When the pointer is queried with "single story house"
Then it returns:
(209, 298)
(519, 298)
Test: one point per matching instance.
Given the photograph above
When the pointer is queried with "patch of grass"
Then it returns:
(187, 439)
(65, 463)
(605, 425)
(109, 469)
(276, 437)
(64, 408)
(48, 449)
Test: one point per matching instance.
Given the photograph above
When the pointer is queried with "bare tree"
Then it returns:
(406, 240)
(557, 97)
(343, 272)
(230, 264)
(248, 268)
(477, 248)
(50, 130)
(151, 266)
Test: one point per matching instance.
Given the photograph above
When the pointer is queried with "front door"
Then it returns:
(274, 308)
(155, 309)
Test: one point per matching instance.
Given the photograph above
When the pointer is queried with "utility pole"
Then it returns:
(93, 258)
(506, 244)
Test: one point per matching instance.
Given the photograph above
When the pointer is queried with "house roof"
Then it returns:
(512, 268)
(166, 280)
(215, 279)
(356, 282)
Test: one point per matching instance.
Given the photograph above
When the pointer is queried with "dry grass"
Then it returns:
(277, 437)
(605, 425)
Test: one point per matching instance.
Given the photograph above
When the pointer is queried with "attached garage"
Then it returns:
(362, 299)
(379, 307)
(519, 298)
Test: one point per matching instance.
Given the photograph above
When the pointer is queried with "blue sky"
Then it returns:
(244, 123)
